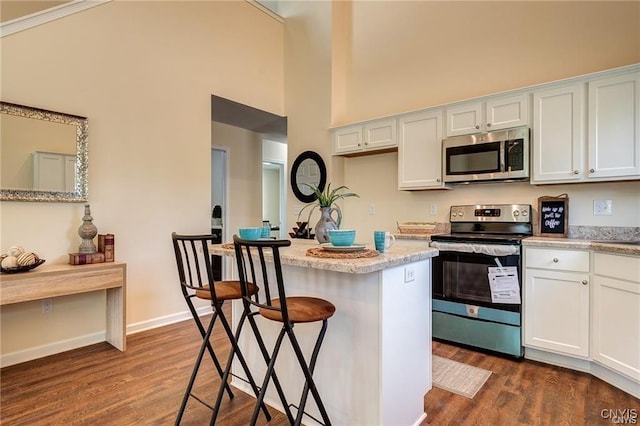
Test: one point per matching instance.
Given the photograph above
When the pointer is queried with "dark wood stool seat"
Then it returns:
(253, 267)
(225, 290)
(300, 309)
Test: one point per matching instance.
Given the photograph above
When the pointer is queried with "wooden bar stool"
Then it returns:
(251, 255)
(196, 281)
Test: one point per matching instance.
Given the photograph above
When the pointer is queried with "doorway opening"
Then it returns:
(270, 132)
(219, 179)
(274, 197)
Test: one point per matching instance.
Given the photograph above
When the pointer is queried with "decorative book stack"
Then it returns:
(106, 245)
(105, 253)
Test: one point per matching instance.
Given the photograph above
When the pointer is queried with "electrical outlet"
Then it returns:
(433, 209)
(47, 306)
(602, 207)
(409, 274)
(372, 208)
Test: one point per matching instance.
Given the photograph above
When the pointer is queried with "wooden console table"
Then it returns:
(63, 280)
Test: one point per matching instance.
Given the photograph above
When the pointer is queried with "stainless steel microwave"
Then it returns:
(500, 155)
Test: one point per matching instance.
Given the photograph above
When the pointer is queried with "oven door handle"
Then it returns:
(488, 249)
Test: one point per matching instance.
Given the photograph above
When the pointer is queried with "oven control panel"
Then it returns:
(516, 213)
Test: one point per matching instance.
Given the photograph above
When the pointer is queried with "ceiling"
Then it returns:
(272, 126)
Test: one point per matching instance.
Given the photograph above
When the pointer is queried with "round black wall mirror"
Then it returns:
(308, 169)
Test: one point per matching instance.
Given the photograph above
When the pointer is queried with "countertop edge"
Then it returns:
(295, 256)
(605, 247)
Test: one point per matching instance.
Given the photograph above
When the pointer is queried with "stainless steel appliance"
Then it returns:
(500, 155)
(464, 311)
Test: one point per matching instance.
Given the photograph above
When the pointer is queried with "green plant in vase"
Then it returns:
(326, 202)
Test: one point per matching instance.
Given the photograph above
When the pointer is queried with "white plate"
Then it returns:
(353, 247)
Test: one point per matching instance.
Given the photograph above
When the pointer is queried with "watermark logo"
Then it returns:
(626, 416)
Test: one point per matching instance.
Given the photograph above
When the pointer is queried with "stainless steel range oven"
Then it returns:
(477, 277)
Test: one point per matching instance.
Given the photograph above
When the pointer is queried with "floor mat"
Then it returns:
(456, 377)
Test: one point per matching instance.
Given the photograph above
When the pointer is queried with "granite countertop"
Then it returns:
(295, 255)
(575, 243)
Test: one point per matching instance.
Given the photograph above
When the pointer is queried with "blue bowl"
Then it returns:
(251, 233)
(342, 237)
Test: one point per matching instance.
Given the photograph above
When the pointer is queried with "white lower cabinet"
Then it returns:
(556, 310)
(616, 313)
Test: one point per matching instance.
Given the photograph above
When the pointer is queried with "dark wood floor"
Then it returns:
(98, 385)
(525, 393)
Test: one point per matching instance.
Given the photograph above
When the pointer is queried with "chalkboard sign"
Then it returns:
(553, 216)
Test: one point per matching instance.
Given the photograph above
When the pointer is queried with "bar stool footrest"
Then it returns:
(306, 414)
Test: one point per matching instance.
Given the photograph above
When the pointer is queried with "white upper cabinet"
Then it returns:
(614, 126)
(493, 114)
(347, 139)
(372, 136)
(588, 131)
(380, 134)
(558, 142)
(419, 145)
(583, 129)
(464, 119)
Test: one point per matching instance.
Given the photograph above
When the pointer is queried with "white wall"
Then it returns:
(143, 73)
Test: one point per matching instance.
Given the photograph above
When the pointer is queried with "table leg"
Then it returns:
(116, 324)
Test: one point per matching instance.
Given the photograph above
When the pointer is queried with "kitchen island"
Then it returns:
(374, 366)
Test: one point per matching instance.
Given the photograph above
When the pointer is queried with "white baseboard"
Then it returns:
(165, 320)
(421, 419)
(90, 339)
(51, 348)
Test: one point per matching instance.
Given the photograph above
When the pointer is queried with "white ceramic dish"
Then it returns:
(352, 247)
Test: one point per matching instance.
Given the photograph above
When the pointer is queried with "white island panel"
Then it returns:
(374, 366)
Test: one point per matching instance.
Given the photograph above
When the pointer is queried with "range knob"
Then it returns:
(516, 213)
(461, 214)
(525, 213)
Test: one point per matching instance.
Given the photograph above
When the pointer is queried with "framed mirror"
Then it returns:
(308, 168)
(43, 155)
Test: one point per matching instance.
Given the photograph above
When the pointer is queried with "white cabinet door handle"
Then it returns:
(584, 282)
(555, 260)
(575, 172)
